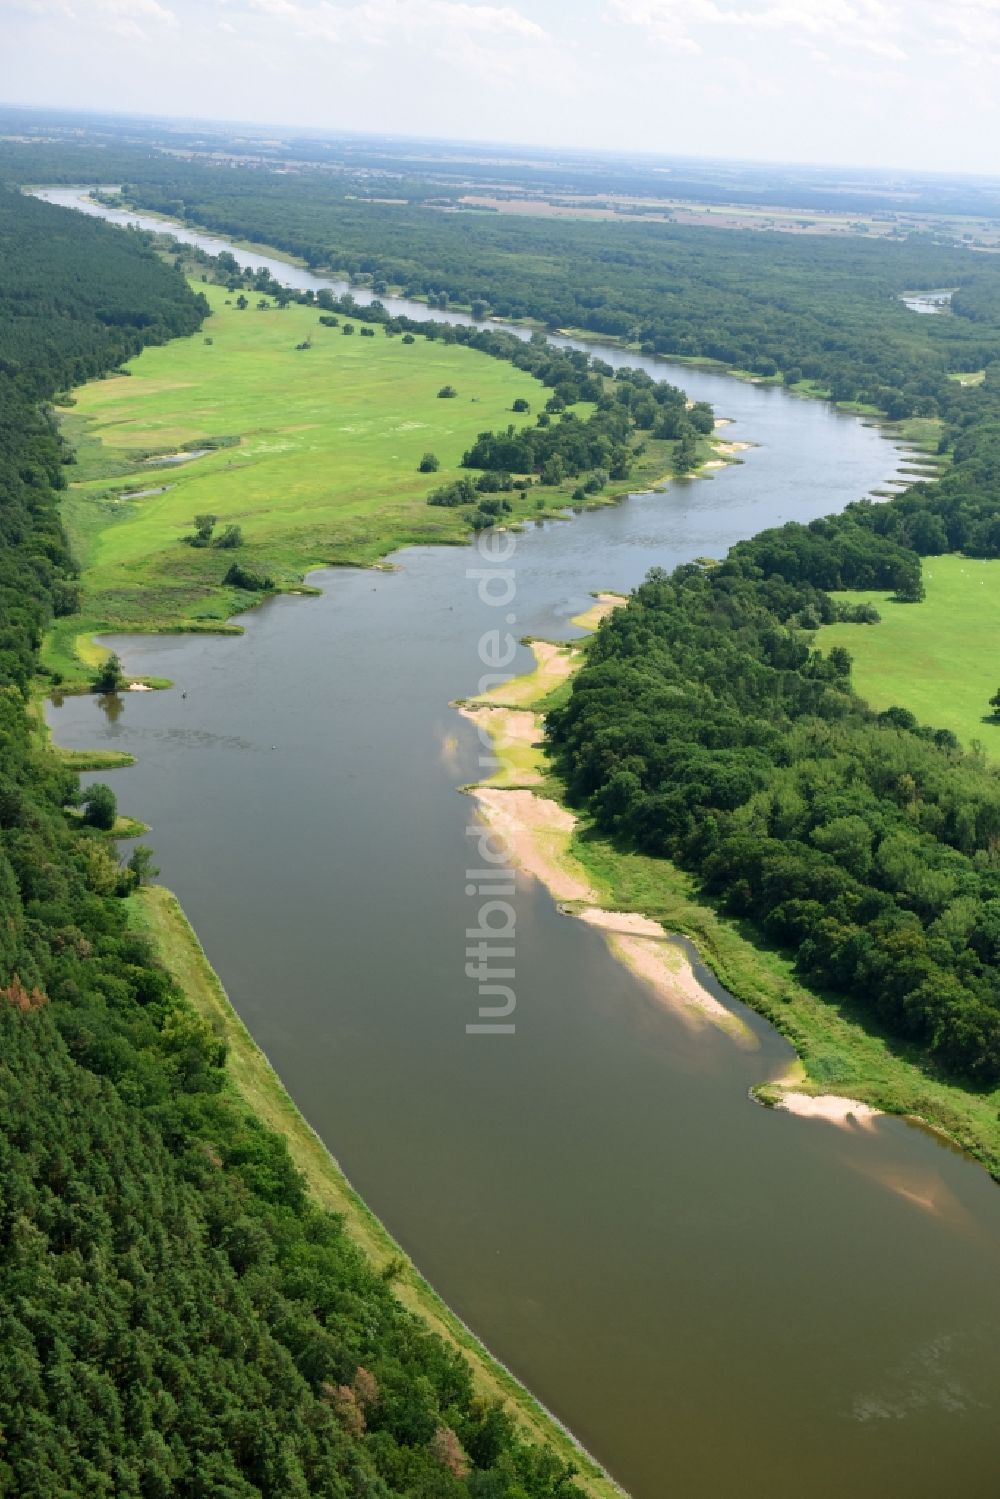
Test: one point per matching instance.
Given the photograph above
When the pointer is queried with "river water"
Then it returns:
(714, 1297)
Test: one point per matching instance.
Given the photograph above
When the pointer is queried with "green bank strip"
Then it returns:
(838, 1054)
(254, 1088)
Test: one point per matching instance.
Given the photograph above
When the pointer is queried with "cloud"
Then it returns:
(381, 21)
(492, 42)
(892, 30)
(867, 25)
(124, 18)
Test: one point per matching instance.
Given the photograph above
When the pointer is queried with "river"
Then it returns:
(714, 1297)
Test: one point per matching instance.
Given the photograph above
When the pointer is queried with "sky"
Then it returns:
(905, 83)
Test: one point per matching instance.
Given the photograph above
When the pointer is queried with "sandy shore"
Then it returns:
(836, 1110)
(537, 831)
(553, 664)
(514, 734)
(605, 604)
(665, 967)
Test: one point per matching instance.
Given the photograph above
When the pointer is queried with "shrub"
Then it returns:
(247, 578)
(109, 676)
(100, 808)
(462, 492)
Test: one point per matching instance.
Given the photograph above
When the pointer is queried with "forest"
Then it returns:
(823, 310)
(176, 1316)
(705, 727)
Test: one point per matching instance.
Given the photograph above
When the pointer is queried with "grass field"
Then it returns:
(940, 658)
(313, 452)
(320, 462)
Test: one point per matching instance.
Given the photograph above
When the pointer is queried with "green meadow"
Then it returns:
(939, 658)
(317, 460)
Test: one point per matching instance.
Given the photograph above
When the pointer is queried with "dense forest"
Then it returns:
(822, 309)
(707, 728)
(176, 1317)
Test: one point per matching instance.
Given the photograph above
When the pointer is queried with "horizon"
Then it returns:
(534, 147)
(668, 79)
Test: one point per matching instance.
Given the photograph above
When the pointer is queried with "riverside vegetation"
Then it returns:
(180, 1314)
(836, 326)
(706, 728)
(300, 447)
(345, 1388)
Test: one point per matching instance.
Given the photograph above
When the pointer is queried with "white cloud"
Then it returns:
(381, 21)
(892, 30)
(124, 18)
(866, 25)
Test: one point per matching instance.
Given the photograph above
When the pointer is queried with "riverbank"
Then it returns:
(254, 1088)
(285, 489)
(848, 1073)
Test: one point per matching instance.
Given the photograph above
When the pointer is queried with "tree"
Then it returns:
(702, 418)
(203, 528)
(685, 453)
(232, 536)
(100, 807)
(109, 676)
(995, 704)
(520, 405)
(429, 463)
(447, 393)
(141, 864)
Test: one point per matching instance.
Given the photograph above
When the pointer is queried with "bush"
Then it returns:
(429, 463)
(100, 808)
(447, 393)
(462, 492)
(204, 525)
(109, 676)
(247, 578)
(232, 536)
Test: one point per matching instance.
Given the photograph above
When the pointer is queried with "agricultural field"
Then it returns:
(940, 658)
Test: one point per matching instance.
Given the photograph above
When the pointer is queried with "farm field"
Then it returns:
(939, 658)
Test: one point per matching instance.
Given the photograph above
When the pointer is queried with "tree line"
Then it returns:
(177, 1317)
(706, 727)
(824, 309)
